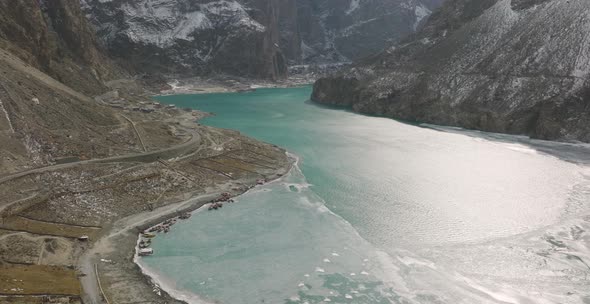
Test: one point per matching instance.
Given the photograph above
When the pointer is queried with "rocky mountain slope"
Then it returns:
(55, 37)
(252, 38)
(43, 121)
(337, 30)
(512, 66)
(51, 67)
(50, 62)
(82, 147)
(192, 37)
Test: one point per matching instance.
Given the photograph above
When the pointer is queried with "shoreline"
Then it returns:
(191, 87)
(112, 254)
(157, 282)
(126, 233)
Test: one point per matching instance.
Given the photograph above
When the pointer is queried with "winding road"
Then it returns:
(146, 157)
(89, 283)
(91, 289)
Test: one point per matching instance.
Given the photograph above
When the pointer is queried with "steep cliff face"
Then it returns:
(252, 38)
(339, 30)
(512, 66)
(55, 37)
(192, 37)
(289, 30)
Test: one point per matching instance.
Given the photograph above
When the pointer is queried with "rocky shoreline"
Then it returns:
(125, 253)
(111, 258)
(197, 85)
(110, 200)
(466, 73)
(158, 288)
(559, 121)
(115, 253)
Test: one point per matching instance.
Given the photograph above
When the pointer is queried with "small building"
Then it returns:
(83, 238)
(146, 251)
(147, 110)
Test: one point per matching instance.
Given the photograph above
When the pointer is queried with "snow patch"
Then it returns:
(354, 5)
(421, 12)
(7, 117)
(162, 23)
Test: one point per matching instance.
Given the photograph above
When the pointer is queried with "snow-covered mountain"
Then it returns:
(252, 38)
(344, 30)
(192, 36)
(510, 66)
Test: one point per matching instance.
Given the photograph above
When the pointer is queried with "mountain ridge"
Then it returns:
(248, 38)
(517, 67)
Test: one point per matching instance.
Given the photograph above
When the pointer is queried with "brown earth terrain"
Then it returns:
(88, 160)
(102, 167)
(37, 279)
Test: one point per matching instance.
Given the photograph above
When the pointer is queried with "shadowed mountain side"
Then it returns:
(519, 67)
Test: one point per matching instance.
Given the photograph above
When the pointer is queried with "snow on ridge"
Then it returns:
(421, 12)
(224, 8)
(161, 23)
(354, 5)
(232, 9)
(193, 21)
(350, 29)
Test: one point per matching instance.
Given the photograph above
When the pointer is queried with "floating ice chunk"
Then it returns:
(352, 274)
(335, 254)
(364, 273)
(319, 269)
(301, 284)
(327, 300)
(306, 275)
(354, 292)
(348, 296)
(327, 261)
(365, 260)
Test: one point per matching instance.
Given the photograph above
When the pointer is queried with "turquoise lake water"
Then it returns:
(379, 211)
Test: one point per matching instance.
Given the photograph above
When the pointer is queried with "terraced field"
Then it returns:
(19, 223)
(38, 280)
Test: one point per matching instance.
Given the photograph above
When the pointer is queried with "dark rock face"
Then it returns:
(524, 4)
(339, 30)
(193, 36)
(55, 37)
(289, 30)
(342, 91)
(483, 65)
(251, 38)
